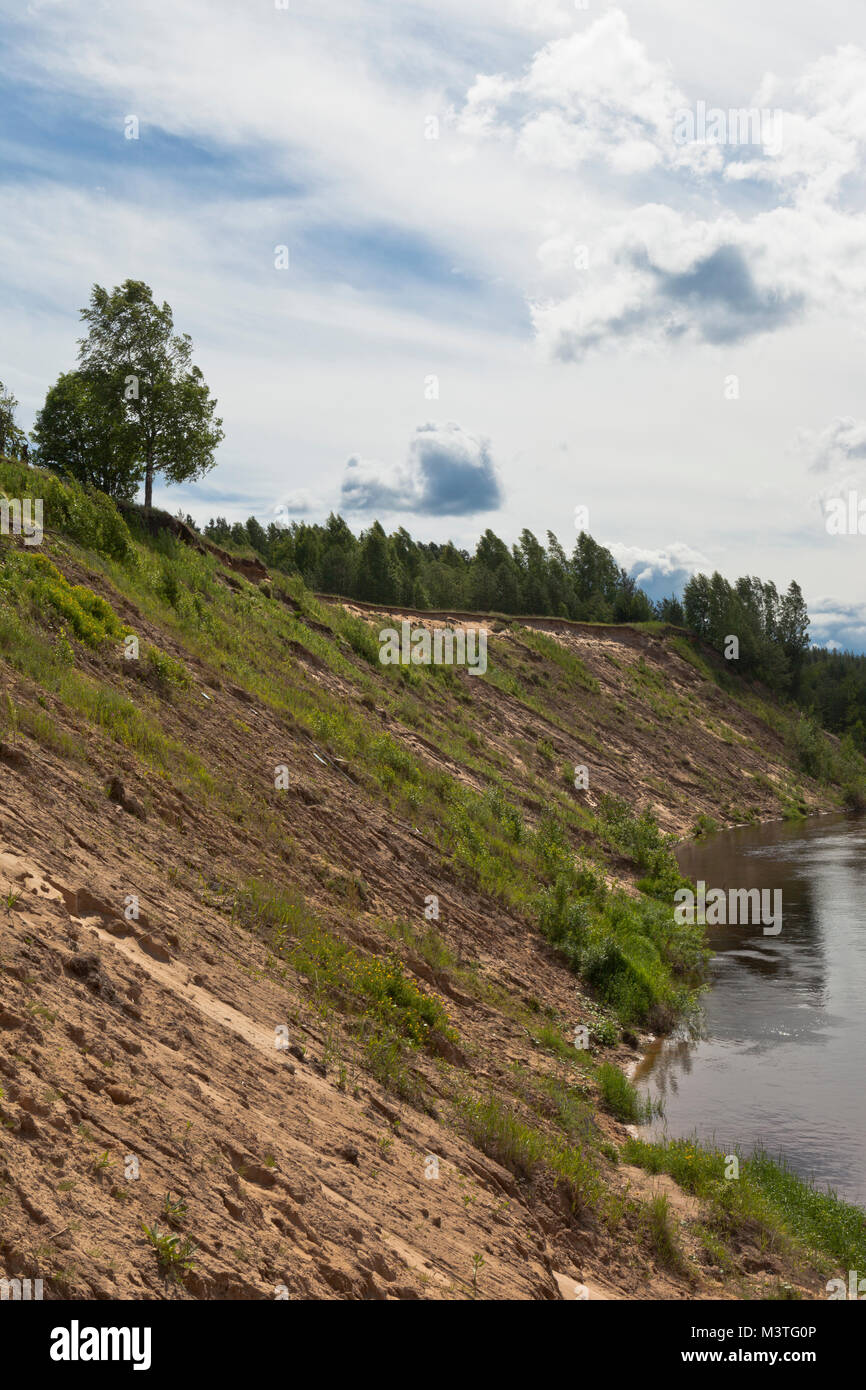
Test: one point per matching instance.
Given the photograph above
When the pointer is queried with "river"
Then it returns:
(781, 1054)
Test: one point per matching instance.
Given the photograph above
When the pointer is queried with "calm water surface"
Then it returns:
(781, 1062)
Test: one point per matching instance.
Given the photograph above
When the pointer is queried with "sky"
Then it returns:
(457, 266)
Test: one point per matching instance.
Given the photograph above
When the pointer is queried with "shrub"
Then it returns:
(811, 748)
(86, 515)
(168, 673)
(90, 617)
(640, 839)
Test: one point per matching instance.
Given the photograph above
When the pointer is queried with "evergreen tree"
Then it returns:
(375, 575)
(793, 630)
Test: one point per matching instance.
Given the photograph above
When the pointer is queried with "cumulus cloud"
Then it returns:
(720, 293)
(590, 96)
(663, 571)
(645, 291)
(833, 448)
(596, 102)
(824, 139)
(448, 472)
(597, 96)
(834, 624)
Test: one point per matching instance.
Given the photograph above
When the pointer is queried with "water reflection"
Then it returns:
(779, 1058)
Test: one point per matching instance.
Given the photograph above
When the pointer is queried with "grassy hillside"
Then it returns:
(310, 939)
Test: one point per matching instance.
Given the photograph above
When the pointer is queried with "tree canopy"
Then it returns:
(528, 578)
(137, 406)
(83, 430)
(772, 630)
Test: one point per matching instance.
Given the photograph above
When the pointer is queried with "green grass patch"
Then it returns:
(620, 1097)
(766, 1197)
(525, 1150)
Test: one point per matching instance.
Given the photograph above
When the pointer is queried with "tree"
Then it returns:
(670, 610)
(337, 570)
(85, 432)
(696, 604)
(794, 630)
(12, 439)
(133, 353)
(257, 537)
(532, 562)
(595, 575)
(376, 580)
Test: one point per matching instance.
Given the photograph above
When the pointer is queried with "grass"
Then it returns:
(527, 1151)
(44, 662)
(662, 1234)
(550, 1037)
(562, 657)
(391, 1016)
(620, 1097)
(86, 515)
(766, 1197)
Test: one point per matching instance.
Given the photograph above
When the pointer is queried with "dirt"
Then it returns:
(140, 1051)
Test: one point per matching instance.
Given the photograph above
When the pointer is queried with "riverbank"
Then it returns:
(773, 1080)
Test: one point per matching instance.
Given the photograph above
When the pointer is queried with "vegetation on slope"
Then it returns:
(481, 771)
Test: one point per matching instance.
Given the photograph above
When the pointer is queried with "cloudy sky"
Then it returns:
(463, 265)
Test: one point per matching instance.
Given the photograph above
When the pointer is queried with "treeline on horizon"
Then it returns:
(531, 579)
(528, 579)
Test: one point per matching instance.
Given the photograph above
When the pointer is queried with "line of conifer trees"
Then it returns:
(529, 578)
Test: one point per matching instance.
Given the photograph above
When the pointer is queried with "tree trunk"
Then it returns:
(148, 484)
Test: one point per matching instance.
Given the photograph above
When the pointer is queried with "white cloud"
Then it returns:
(662, 571)
(448, 472)
(833, 447)
(836, 625)
(594, 95)
(555, 132)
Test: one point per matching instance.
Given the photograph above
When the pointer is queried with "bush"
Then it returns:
(168, 673)
(90, 617)
(640, 839)
(616, 979)
(86, 515)
(564, 920)
(811, 748)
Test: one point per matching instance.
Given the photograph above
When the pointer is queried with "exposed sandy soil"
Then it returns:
(153, 1039)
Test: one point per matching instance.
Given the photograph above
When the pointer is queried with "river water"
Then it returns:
(781, 1059)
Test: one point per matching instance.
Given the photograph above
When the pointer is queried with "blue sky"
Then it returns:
(512, 288)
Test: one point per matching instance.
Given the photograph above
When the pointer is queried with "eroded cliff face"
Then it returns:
(273, 1023)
